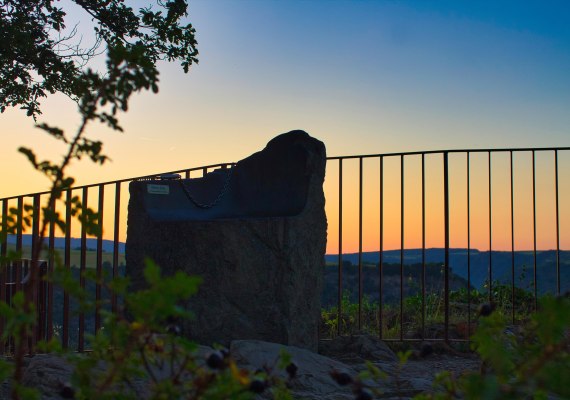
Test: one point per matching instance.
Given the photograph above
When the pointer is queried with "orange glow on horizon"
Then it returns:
(545, 201)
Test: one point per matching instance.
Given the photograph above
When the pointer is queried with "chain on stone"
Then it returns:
(224, 190)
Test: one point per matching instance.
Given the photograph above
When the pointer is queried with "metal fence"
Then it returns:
(62, 317)
(395, 196)
(15, 276)
(457, 170)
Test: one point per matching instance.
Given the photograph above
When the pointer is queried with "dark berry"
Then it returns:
(486, 309)
(292, 370)
(173, 329)
(342, 378)
(225, 352)
(67, 391)
(363, 395)
(257, 386)
(215, 360)
(426, 350)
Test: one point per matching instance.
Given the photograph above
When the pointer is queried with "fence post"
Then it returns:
(3, 268)
(360, 283)
(117, 217)
(35, 273)
(67, 265)
(82, 269)
(557, 224)
(339, 316)
(446, 229)
(99, 261)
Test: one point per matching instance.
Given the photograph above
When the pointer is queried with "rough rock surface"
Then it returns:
(51, 375)
(357, 349)
(262, 272)
(313, 381)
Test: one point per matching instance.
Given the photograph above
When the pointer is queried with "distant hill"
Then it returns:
(59, 243)
(501, 261)
(390, 282)
(479, 265)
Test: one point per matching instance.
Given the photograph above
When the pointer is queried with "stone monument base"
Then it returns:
(260, 254)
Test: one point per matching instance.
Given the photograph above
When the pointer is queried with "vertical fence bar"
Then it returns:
(19, 225)
(19, 231)
(19, 264)
(512, 239)
(187, 174)
(339, 298)
(40, 302)
(34, 271)
(490, 234)
(26, 268)
(557, 224)
(423, 248)
(82, 268)
(3, 267)
(401, 247)
(446, 230)
(204, 171)
(36, 225)
(381, 253)
(116, 241)
(50, 267)
(99, 257)
(67, 266)
(468, 156)
(360, 244)
(4, 240)
(44, 267)
(534, 228)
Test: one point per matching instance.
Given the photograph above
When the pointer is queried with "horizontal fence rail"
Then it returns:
(418, 242)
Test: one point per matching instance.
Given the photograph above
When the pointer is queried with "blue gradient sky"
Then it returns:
(363, 76)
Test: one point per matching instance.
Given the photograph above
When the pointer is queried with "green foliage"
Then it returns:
(141, 345)
(432, 307)
(44, 58)
(146, 348)
(349, 316)
(41, 59)
(530, 361)
(534, 361)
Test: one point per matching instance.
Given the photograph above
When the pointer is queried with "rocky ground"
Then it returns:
(403, 380)
(313, 380)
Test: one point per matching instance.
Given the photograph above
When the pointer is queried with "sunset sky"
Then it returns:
(362, 76)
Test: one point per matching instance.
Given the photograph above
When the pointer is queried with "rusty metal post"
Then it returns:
(339, 314)
(67, 266)
(82, 268)
(446, 229)
(381, 258)
(402, 247)
(116, 241)
(360, 244)
(99, 261)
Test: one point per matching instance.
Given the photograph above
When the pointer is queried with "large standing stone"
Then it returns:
(259, 249)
